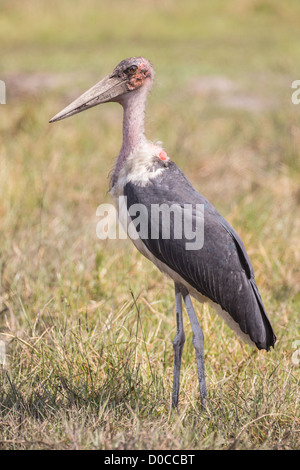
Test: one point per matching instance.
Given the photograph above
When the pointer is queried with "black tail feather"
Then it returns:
(270, 337)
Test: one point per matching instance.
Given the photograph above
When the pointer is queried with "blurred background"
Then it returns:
(221, 104)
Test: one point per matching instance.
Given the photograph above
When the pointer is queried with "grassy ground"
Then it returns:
(88, 324)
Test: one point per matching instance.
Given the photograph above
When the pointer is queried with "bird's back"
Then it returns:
(220, 270)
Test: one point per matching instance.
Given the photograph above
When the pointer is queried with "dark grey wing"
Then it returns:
(221, 270)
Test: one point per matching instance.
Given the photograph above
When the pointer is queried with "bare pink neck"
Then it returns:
(133, 127)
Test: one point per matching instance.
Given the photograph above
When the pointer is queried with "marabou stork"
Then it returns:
(220, 271)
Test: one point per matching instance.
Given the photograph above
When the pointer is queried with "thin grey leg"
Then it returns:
(178, 346)
(198, 342)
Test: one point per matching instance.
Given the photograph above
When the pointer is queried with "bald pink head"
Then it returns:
(135, 71)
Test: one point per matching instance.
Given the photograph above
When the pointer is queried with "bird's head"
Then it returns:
(130, 76)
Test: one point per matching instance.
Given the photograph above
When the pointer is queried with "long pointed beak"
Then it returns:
(104, 91)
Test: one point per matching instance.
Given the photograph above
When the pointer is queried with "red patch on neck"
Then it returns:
(162, 155)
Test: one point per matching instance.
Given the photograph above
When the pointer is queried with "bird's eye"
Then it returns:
(131, 70)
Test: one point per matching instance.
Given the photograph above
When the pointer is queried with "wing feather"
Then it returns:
(221, 270)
